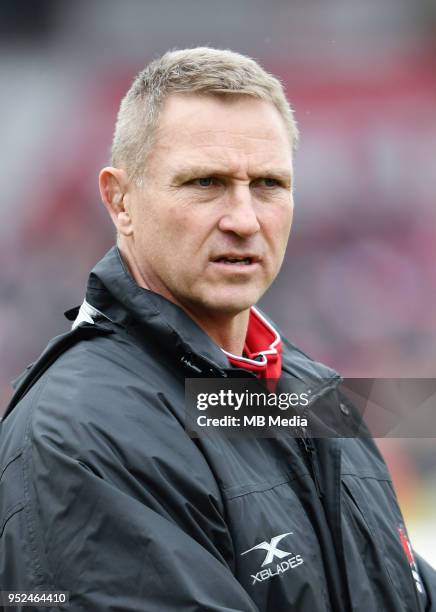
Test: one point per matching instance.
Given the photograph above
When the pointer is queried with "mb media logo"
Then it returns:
(272, 552)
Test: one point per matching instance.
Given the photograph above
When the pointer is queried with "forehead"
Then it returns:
(227, 129)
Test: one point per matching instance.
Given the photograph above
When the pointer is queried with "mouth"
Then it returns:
(233, 259)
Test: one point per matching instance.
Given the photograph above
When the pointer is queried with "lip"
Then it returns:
(236, 268)
(254, 259)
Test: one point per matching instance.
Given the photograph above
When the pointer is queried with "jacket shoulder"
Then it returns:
(96, 383)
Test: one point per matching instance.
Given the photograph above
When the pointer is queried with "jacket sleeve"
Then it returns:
(428, 577)
(112, 546)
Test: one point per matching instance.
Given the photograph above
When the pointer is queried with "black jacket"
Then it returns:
(103, 493)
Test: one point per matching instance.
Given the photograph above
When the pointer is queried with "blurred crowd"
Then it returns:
(358, 288)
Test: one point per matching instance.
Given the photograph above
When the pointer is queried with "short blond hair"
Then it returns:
(201, 70)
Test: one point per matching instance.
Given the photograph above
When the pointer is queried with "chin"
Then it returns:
(230, 305)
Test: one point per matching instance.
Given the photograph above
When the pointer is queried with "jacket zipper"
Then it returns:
(310, 451)
(307, 443)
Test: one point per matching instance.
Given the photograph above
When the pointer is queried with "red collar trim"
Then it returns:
(260, 333)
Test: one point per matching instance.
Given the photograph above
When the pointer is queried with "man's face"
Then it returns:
(211, 224)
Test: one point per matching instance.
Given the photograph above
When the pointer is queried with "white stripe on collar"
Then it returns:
(86, 314)
(272, 350)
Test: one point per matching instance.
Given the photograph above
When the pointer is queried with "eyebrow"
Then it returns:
(187, 173)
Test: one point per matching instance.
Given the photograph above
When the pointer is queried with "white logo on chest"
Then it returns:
(272, 551)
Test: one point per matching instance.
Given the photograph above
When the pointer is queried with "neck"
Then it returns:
(227, 330)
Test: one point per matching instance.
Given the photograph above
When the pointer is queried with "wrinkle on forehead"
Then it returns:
(235, 136)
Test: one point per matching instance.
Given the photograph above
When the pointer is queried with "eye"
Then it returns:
(270, 182)
(205, 181)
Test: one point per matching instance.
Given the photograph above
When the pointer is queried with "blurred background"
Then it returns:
(357, 288)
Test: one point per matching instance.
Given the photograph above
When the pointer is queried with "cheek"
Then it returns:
(286, 220)
(278, 225)
(289, 209)
(162, 227)
(192, 228)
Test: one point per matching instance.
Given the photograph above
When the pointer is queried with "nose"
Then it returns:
(240, 216)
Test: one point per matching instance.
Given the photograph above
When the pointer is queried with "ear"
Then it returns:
(113, 185)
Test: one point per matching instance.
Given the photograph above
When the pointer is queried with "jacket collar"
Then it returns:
(113, 293)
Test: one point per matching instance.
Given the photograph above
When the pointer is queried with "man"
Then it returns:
(103, 493)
